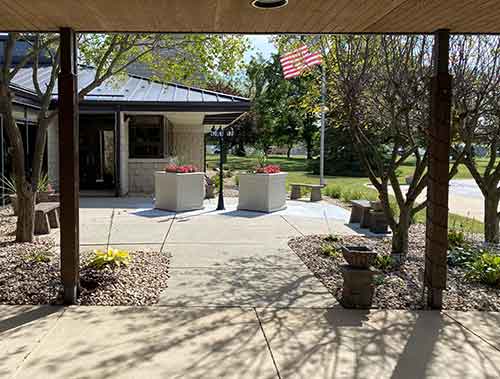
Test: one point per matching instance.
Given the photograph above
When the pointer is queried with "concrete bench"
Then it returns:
(315, 191)
(360, 213)
(378, 222)
(46, 217)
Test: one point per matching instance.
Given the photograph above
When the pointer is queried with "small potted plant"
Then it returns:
(263, 190)
(179, 188)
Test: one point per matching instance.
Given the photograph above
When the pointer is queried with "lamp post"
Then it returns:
(221, 133)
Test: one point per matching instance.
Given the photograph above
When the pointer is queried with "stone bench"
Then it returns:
(296, 188)
(360, 213)
(46, 217)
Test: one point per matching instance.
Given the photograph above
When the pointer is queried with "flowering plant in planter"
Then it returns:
(268, 169)
(182, 169)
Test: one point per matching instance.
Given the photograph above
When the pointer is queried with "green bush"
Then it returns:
(462, 257)
(111, 258)
(456, 238)
(40, 256)
(330, 251)
(332, 238)
(334, 191)
(485, 269)
(383, 262)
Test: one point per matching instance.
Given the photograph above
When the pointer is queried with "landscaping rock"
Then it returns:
(396, 288)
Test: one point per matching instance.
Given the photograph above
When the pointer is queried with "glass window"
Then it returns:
(146, 137)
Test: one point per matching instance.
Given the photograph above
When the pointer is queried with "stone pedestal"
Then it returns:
(358, 287)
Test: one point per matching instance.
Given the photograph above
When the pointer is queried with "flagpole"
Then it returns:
(322, 133)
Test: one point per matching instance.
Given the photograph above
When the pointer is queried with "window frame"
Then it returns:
(134, 123)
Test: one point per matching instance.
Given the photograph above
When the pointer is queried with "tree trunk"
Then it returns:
(400, 237)
(309, 152)
(491, 219)
(25, 213)
(288, 152)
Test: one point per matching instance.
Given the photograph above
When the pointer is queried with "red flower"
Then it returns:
(180, 169)
(269, 169)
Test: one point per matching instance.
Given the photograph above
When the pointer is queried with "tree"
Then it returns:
(110, 55)
(381, 89)
(475, 63)
(310, 134)
(279, 106)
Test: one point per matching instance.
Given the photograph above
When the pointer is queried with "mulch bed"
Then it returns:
(396, 288)
(30, 274)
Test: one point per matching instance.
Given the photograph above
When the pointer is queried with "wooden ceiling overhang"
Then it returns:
(238, 16)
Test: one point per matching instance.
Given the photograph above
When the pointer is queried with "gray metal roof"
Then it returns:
(131, 88)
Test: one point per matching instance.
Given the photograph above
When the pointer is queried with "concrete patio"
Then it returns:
(239, 304)
(208, 342)
(219, 258)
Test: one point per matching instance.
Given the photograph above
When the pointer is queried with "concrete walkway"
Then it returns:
(239, 304)
(204, 342)
(220, 258)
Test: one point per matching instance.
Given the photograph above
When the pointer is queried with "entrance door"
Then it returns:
(97, 152)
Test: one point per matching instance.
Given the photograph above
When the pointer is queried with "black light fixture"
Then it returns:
(221, 133)
(269, 4)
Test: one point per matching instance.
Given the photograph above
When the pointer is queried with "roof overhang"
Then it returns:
(238, 16)
(165, 106)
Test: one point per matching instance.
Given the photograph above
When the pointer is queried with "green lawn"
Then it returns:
(346, 188)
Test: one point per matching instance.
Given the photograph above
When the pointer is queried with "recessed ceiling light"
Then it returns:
(269, 4)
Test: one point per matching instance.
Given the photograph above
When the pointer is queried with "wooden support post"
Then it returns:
(436, 245)
(69, 165)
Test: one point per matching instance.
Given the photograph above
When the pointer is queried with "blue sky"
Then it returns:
(260, 44)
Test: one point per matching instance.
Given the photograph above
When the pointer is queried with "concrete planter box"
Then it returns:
(262, 192)
(179, 192)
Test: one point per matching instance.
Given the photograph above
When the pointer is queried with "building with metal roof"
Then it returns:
(130, 126)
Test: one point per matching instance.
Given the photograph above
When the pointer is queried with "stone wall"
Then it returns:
(141, 174)
(186, 142)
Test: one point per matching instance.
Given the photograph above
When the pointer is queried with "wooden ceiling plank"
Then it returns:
(239, 16)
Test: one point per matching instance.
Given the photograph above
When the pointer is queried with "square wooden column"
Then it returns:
(436, 244)
(69, 165)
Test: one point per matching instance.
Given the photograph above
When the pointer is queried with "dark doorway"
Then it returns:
(97, 152)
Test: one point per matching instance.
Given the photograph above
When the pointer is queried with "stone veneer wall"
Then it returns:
(136, 175)
(183, 141)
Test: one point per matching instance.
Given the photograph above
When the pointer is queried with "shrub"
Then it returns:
(330, 251)
(237, 181)
(40, 256)
(334, 191)
(462, 257)
(332, 238)
(456, 238)
(111, 258)
(383, 262)
(485, 269)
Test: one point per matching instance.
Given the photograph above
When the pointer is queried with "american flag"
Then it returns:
(296, 61)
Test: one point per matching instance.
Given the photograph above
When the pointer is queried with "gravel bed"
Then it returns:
(396, 288)
(30, 274)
